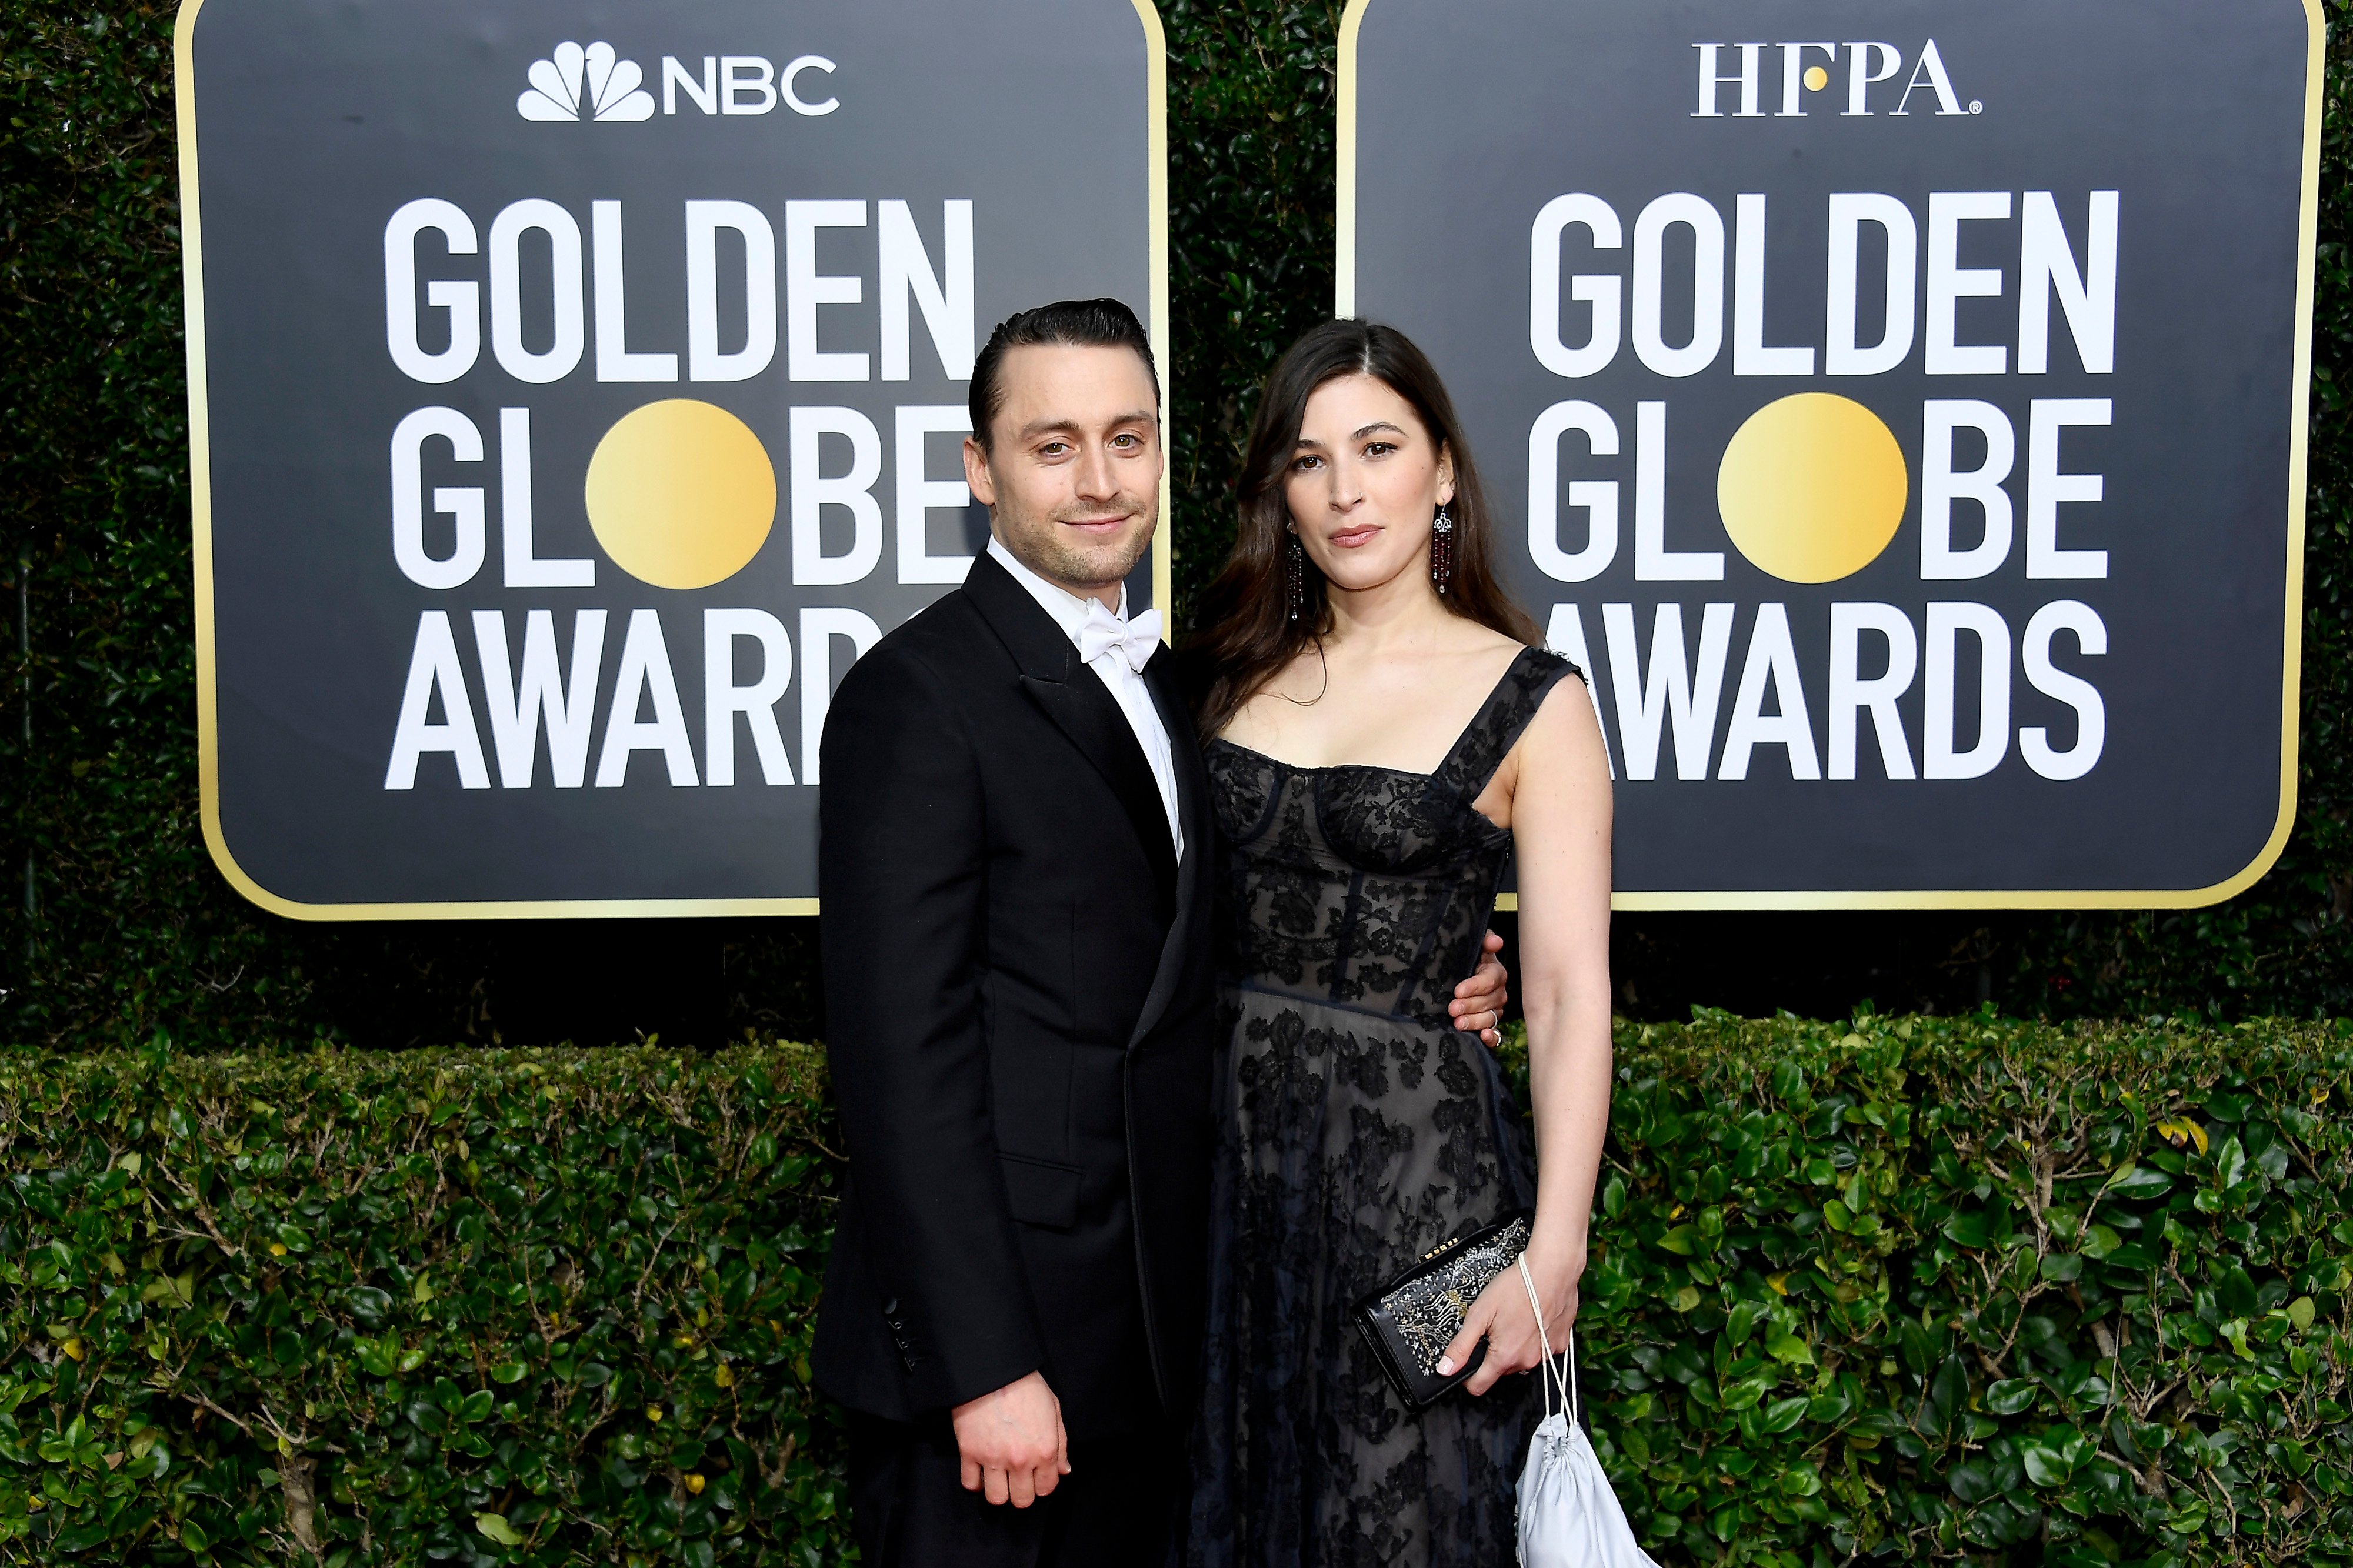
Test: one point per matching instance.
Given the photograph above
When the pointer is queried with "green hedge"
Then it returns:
(1919, 1289)
(470, 1306)
(1933, 1290)
(135, 930)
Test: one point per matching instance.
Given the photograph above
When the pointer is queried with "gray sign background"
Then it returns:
(313, 121)
(1471, 115)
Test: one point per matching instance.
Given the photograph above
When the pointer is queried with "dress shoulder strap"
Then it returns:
(1509, 708)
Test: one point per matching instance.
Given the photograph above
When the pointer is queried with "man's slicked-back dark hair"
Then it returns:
(1082, 324)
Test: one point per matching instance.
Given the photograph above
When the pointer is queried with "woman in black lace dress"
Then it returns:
(1384, 733)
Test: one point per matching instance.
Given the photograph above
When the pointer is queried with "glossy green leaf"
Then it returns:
(1972, 1481)
(2138, 1183)
(2222, 1107)
(2010, 1395)
(2229, 1163)
(2045, 1466)
(1739, 1320)
(1743, 1393)
(1970, 1230)
(1800, 1481)
(495, 1526)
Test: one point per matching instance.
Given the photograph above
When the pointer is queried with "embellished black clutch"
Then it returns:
(1410, 1321)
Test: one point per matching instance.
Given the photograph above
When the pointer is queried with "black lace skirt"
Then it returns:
(1354, 1142)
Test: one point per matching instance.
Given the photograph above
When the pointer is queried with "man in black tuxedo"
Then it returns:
(1016, 836)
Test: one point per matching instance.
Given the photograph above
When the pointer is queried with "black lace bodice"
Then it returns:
(1368, 887)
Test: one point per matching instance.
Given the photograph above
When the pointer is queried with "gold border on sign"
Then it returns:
(201, 523)
(2292, 641)
(1156, 54)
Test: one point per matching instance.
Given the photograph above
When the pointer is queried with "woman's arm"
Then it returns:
(1559, 810)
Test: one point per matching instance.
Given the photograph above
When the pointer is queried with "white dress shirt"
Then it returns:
(1127, 687)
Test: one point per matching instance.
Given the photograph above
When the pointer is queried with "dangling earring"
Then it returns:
(1442, 550)
(1295, 562)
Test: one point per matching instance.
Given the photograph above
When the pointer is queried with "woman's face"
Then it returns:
(1364, 481)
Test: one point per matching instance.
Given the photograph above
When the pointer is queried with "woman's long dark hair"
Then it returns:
(1247, 634)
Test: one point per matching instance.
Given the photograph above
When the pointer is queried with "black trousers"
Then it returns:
(909, 1508)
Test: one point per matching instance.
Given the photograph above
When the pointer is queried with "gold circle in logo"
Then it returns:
(1817, 79)
(680, 493)
(1812, 488)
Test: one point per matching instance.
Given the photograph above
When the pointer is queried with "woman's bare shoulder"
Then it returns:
(1471, 635)
(1479, 649)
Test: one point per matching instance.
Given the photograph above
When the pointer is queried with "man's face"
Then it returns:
(1072, 473)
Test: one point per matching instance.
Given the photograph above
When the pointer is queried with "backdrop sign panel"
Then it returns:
(1897, 408)
(577, 389)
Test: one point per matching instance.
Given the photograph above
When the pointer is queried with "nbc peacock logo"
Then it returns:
(593, 83)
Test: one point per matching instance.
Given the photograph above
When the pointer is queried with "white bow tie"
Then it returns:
(1135, 639)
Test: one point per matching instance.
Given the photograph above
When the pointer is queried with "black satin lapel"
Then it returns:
(1035, 640)
(1185, 751)
(1090, 716)
(1193, 811)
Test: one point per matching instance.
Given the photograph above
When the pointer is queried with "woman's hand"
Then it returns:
(1479, 1002)
(1502, 1317)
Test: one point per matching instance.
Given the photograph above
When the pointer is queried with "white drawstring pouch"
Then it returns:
(1568, 1516)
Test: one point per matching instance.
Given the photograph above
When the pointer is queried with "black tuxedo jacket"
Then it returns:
(1021, 1025)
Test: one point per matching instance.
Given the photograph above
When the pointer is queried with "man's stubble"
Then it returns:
(1041, 545)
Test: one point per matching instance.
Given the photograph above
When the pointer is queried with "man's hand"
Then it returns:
(1478, 1001)
(1012, 1442)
